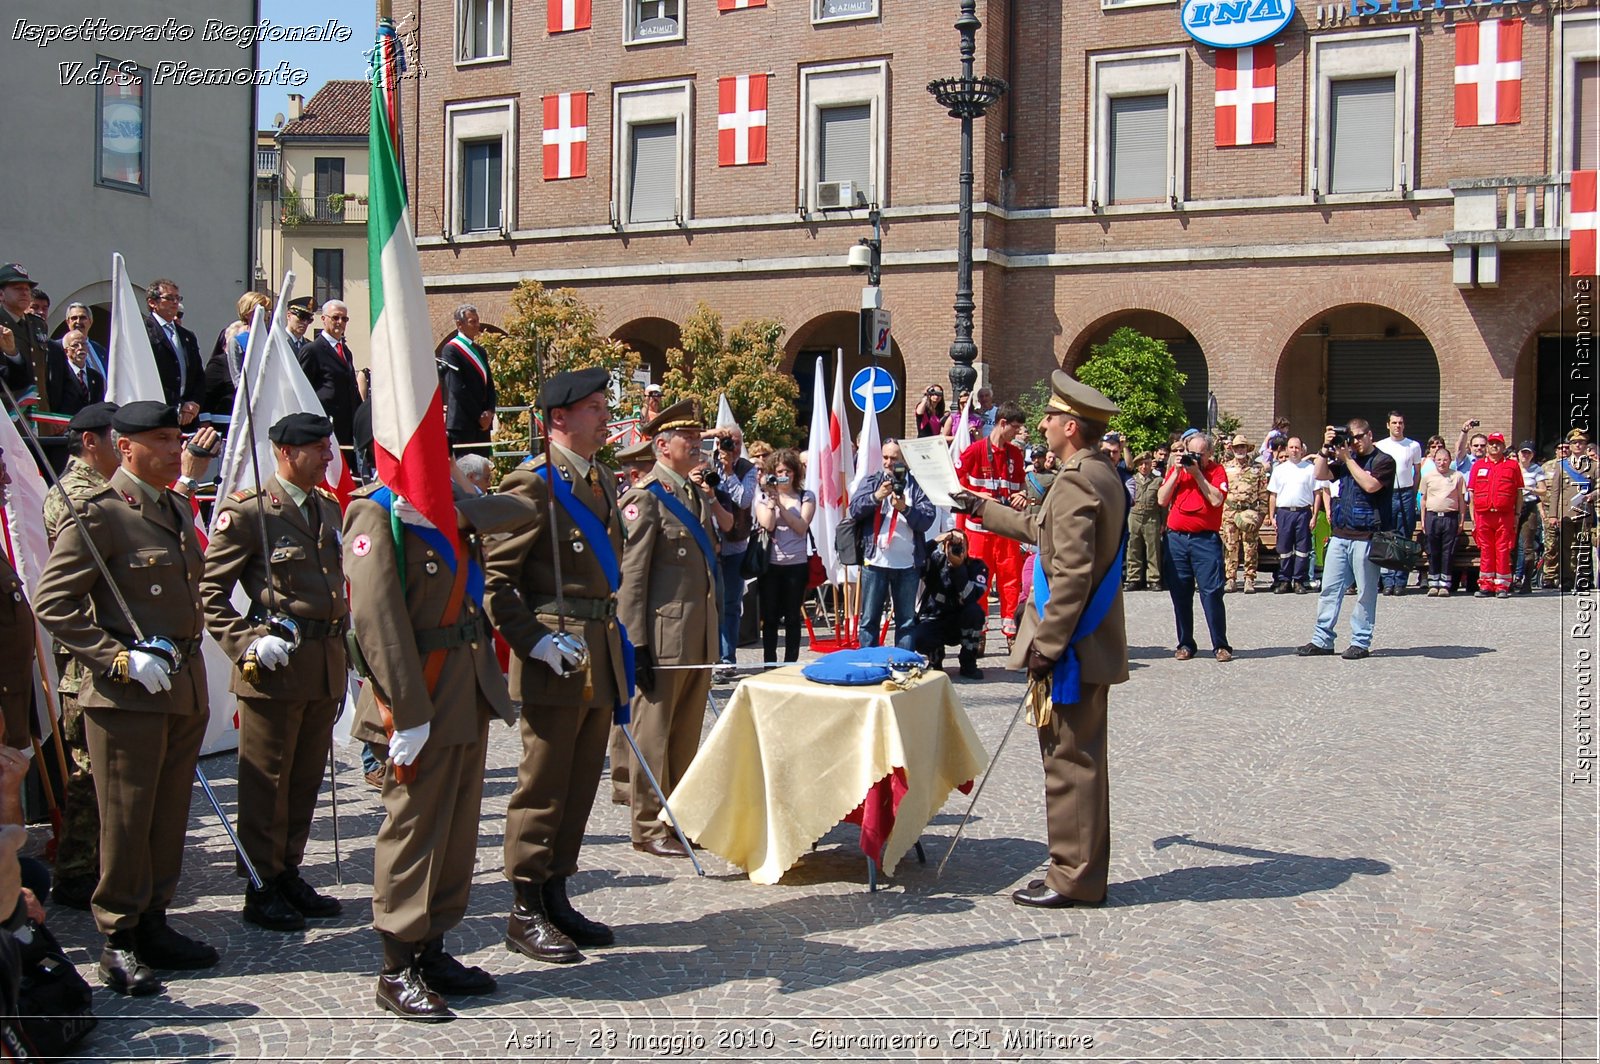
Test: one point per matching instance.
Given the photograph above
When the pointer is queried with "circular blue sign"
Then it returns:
(1235, 23)
(872, 390)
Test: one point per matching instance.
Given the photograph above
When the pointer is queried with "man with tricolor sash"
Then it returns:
(468, 385)
(569, 663)
(1072, 640)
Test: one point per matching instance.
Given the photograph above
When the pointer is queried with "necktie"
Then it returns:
(177, 350)
(342, 352)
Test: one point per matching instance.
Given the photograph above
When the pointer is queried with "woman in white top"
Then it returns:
(784, 510)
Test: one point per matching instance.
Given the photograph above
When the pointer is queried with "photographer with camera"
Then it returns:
(734, 481)
(892, 516)
(1361, 505)
(951, 607)
(784, 510)
(930, 412)
(1193, 492)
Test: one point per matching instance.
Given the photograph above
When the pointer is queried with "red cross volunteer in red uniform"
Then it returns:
(992, 468)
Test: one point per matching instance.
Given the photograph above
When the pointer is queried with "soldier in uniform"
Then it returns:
(634, 463)
(24, 347)
(1241, 514)
(289, 678)
(432, 683)
(1146, 520)
(144, 700)
(1569, 510)
(1076, 645)
(93, 461)
(567, 663)
(669, 607)
(20, 642)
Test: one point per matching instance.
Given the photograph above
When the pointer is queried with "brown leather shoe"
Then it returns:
(1183, 654)
(530, 932)
(662, 847)
(374, 779)
(405, 994)
(583, 931)
(1042, 897)
(1224, 654)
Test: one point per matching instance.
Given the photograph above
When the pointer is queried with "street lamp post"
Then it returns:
(966, 97)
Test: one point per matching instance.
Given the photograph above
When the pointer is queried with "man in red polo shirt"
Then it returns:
(992, 468)
(1193, 492)
(1496, 485)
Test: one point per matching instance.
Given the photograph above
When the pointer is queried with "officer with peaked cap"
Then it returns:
(289, 655)
(144, 699)
(1073, 641)
(567, 662)
(669, 605)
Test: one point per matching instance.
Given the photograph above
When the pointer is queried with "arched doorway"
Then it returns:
(1548, 401)
(822, 338)
(1186, 353)
(1359, 360)
(651, 337)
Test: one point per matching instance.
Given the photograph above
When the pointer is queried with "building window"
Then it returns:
(1138, 136)
(122, 118)
(481, 177)
(653, 20)
(327, 274)
(840, 10)
(1586, 115)
(1575, 93)
(328, 181)
(482, 199)
(481, 28)
(843, 119)
(1363, 89)
(651, 177)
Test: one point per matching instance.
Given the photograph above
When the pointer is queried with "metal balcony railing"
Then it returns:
(337, 209)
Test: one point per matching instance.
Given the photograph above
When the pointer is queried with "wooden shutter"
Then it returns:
(654, 182)
(1138, 144)
(1586, 122)
(844, 146)
(1361, 137)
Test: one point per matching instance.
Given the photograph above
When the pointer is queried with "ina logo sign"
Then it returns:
(1235, 23)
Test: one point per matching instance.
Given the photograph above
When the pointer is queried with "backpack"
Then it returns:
(55, 1007)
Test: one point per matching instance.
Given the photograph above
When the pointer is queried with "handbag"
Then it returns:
(55, 1007)
(757, 556)
(816, 572)
(1391, 550)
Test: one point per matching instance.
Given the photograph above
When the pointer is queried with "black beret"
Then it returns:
(573, 386)
(144, 416)
(96, 417)
(296, 430)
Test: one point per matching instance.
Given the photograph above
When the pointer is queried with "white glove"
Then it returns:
(566, 653)
(149, 670)
(407, 744)
(271, 651)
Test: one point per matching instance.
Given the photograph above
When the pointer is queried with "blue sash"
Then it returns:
(687, 519)
(599, 540)
(1064, 682)
(1577, 477)
(434, 538)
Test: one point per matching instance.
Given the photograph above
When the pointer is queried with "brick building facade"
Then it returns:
(1373, 253)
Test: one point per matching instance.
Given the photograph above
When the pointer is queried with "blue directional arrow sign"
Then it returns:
(872, 390)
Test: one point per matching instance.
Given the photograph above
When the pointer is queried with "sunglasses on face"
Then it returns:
(338, 317)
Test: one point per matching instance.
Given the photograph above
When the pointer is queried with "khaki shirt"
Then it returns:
(669, 592)
(80, 480)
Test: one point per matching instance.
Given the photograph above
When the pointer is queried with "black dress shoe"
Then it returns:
(530, 932)
(1042, 897)
(1313, 650)
(300, 894)
(408, 996)
(123, 971)
(569, 921)
(1355, 653)
(160, 946)
(666, 846)
(74, 892)
(267, 908)
(446, 975)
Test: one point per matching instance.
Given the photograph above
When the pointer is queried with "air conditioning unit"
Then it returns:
(836, 195)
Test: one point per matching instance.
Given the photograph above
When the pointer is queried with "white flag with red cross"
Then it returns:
(742, 120)
(1584, 224)
(566, 135)
(1247, 95)
(568, 15)
(1489, 72)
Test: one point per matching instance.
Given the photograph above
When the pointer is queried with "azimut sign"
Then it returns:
(1235, 23)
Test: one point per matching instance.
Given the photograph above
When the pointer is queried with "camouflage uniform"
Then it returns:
(78, 850)
(1241, 521)
(1568, 531)
(1146, 520)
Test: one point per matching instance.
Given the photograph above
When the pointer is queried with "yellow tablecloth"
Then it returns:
(790, 758)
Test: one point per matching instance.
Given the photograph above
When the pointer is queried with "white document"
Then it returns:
(928, 459)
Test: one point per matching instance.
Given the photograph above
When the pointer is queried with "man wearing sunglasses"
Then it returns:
(330, 365)
(177, 350)
(1363, 505)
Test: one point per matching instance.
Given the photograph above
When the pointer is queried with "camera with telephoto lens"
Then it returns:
(770, 480)
(897, 475)
(711, 477)
(726, 443)
(1188, 458)
(1340, 438)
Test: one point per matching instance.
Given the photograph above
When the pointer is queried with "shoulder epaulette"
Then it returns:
(244, 496)
(326, 494)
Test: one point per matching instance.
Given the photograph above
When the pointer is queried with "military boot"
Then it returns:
(123, 971)
(446, 975)
(530, 932)
(402, 989)
(569, 921)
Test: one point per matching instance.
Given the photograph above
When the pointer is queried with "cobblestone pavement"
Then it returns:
(1312, 859)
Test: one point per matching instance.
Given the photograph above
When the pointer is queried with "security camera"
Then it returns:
(860, 258)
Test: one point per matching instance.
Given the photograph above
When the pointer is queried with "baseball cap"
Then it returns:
(1497, 437)
(1527, 445)
(652, 389)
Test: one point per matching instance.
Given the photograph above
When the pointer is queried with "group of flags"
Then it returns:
(569, 16)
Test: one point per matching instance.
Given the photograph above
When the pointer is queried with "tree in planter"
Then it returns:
(1137, 373)
(743, 365)
(293, 207)
(566, 329)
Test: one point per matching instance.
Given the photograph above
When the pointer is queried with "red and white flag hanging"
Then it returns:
(568, 15)
(1247, 94)
(742, 120)
(1584, 224)
(1489, 72)
(739, 5)
(566, 135)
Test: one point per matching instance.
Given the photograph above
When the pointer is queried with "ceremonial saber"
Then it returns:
(333, 788)
(627, 733)
(122, 604)
(993, 761)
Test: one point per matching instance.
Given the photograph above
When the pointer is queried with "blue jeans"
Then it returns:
(879, 584)
(1347, 561)
(1193, 561)
(732, 605)
(1405, 523)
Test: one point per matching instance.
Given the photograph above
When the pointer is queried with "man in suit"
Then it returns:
(290, 652)
(176, 349)
(1073, 640)
(567, 701)
(80, 383)
(80, 318)
(669, 607)
(144, 700)
(330, 365)
(468, 384)
(297, 320)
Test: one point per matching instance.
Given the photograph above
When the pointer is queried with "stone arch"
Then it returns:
(1186, 351)
(826, 333)
(651, 336)
(1543, 392)
(97, 297)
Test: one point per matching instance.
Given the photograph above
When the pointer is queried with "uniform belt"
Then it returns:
(1294, 509)
(470, 630)
(577, 609)
(309, 629)
(187, 647)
